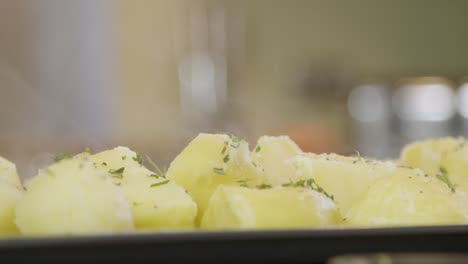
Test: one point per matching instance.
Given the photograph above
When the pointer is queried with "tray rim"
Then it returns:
(166, 236)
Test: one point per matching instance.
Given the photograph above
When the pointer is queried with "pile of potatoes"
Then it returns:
(218, 183)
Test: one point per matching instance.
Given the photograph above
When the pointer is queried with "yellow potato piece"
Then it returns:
(272, 154)
(72, 197)
(156, 203)
(9, 196)
(346, 178)
(408, 199)
(210, 160)
(279, 208)
(8, 173)
(10, 192)
(443, 158)
(429, 154)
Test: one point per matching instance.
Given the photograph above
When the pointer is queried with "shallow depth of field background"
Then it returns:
(337, 76)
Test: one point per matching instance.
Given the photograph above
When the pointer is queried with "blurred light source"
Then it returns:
(462, 102)
(196, 76)
(424, 101)
(369, 103)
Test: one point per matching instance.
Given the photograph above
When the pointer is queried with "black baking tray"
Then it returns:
(285, 246)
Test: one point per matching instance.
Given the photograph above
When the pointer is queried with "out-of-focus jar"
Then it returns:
(370, 111)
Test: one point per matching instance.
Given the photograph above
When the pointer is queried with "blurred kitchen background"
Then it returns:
(335, 75)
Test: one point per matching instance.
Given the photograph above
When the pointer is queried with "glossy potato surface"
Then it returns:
(156, 202)
(72, 197)
(246, 208)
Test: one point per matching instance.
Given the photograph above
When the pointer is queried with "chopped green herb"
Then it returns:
(235, 141)
(299, 183)
(359, 157)
(243, 183)
(218, 170)
(226, 158)
(312, 184)
(224, 149)
(258, 148)
(104, 164)
(159, 183)
(255, 164)
(138, 159)
(124, 157)
(155, 176)
(118, 173)
(264, 186)
(158, 171)
(135, 204)
(459, 146)
(61, 156)
(404, 167)
(443, 176)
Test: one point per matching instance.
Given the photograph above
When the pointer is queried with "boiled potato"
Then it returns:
(443, 158)
(8, 173)
(210, 160)
(454, 169)
(346, 178)
(72, 196)
(272, 155)
(10, 192)
(408, 199)
(156, 203)
(246, 208)
(9, 197)
(429, 154)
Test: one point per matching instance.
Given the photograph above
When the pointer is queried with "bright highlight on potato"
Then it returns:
(72, 197)
(209, 161)
(278, 208)
(272, 155)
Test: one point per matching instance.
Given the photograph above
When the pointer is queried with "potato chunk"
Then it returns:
(10, 192)
(411, 199)
(246, 208)
(428, 154)
(8, 173)
(156, 203)
(443, 158)
(272, 154)
(208, 161)
(72, 196)
(346, 178)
